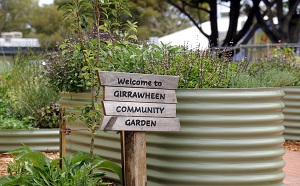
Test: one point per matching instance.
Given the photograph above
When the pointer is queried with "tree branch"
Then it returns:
(246, 26)
(198, 25)
(262, 23)
(233, 21)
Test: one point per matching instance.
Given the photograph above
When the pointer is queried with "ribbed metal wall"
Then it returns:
(107, 144)
(292, 113)
(41, 139)
(228, 137)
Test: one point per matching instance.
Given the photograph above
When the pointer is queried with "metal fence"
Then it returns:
(254, 52)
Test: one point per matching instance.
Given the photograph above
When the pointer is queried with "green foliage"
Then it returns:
(13, 123)
(89, 53)
(277, 69)
(32, 168)
(156, 18)
(26, 91)
(4, 108)
(29, 90)
(7, 119)
(49, 31)
(64, 71)
(48, 116)
(95, 24)
(197, 69)
(14, 15)
(264, 78)
(4, 78)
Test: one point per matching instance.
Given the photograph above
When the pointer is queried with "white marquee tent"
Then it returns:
(193, 38)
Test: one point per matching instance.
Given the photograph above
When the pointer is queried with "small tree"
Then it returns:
(97, 25)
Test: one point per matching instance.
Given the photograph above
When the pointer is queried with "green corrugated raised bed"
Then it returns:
(292, 113)
(228, 137)
(37, 139)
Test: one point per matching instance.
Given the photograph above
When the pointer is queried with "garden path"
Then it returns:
(292, 168)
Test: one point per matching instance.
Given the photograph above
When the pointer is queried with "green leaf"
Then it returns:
(64, 51)
(102, 27)
(15, 151)
(96, 69)
(108, 165)
(27, 148)
(64, 6)
(37, 158)
(63, 45)
(12, 181)
(84, 68)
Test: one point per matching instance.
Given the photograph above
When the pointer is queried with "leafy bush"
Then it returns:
(7, 119)
(32, 168)
(199, 68)
(13, 123)
(5, 111)
(48, 116)
(64, 70)
(196, 68)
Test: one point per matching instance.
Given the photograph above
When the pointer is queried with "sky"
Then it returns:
(41, 2)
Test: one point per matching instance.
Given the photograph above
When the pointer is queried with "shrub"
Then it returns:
(48, 116)
(63, 71)
(13, 123)
(264, 78)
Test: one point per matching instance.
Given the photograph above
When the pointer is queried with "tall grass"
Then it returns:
(27, 89)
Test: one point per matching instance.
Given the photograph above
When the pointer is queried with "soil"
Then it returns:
(5, 158)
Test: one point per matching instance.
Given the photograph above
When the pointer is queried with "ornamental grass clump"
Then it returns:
(26, 91)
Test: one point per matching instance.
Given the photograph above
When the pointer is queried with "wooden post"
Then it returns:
(62, 136)
(63, 129)
(135, 159)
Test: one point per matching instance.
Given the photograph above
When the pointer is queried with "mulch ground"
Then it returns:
(5, 158)
(292, 145)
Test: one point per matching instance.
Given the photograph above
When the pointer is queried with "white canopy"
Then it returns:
(193, 38)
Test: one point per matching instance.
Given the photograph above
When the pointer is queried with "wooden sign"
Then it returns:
(139, 123)
(135, 103)
(139, 95)
(114, 108)
(119, 79)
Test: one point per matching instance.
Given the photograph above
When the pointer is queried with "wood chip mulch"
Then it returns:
(292, 145)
